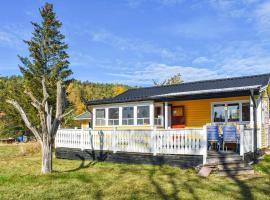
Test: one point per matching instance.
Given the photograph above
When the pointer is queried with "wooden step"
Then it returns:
(237, 172)
(224, 160)
(231, 166)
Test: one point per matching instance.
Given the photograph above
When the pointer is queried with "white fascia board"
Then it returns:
(208, 91)
(122, 104)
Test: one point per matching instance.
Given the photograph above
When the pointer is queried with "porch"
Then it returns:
(186, 141)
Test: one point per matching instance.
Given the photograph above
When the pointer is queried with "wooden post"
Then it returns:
(242, 140)
(154, 141)
(152, 115)
(114, 138)
(204, 144)
(254, 125)
(166, 115)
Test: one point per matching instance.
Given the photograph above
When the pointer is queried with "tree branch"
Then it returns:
(34, 100)
(25, 119)
(65, 114)
(45, 93)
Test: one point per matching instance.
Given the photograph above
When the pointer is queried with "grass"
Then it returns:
(20, 178)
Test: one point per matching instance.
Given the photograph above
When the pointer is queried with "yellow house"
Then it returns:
(84, 120)
(189, 105)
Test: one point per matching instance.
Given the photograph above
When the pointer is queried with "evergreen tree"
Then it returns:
(45, 73)
(48, 57)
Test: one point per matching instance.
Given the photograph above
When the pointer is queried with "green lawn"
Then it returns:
(20, 179)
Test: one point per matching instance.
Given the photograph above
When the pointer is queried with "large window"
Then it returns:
(219, 113)
(233, 112)
(100, 117)
(245, 112)
(143, 115)
(158, 115)
(127, 116)
(113, 116)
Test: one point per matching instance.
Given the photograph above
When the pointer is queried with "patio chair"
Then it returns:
(213, 137)
(230, 136)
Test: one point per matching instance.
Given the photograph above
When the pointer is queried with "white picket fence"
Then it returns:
(179, 141)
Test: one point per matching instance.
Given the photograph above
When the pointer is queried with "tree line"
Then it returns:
(11, 124)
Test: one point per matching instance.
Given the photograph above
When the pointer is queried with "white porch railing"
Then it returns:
(181, 141)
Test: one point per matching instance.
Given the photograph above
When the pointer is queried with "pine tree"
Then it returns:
(45, 73)
(48, 57)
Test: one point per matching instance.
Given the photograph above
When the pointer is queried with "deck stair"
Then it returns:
(227, 164)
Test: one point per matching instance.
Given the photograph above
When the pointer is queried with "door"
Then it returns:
(178, 117)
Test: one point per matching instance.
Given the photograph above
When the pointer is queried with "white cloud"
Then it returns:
(13, 36)
(201, 60)
(262, 14)
(133, 44)
(202, 28)
(159, 72)
(242, 58)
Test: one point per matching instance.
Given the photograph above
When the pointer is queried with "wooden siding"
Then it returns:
(198, 112)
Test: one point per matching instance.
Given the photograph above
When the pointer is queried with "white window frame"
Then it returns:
(113, 120)
(160, 118)
(121, 106)
(133, 118)
(103, 119)
(144, 118)
(240, 102)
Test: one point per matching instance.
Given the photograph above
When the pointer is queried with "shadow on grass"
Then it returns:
(83, 164)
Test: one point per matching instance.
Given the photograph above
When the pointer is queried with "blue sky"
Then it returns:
(136, 41)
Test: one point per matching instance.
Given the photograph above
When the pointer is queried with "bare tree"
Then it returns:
(175, 79)
(48, 123)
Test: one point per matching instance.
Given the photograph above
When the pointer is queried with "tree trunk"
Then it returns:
(46, 156)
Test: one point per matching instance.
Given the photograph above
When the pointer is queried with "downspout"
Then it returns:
(254, 125)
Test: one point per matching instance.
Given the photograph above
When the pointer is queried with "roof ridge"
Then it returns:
(200, 81)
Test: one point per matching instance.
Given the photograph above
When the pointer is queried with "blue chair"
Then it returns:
(213, 137)
(230, 136)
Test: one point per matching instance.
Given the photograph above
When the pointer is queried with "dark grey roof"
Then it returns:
(85, 115)
(241, 85)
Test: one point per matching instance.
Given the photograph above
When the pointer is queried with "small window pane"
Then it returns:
(113, 116)
(100, 113)
(219, 113)
(143, 112)
(233, 112)
(128, 112)
(113, 113)
(158, 116)
(245, 112)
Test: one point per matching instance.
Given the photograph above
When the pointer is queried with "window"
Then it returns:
(113, 116)
(158, 116)
(219, 113)
(128, 116)
(143, 115)
(233, 112)
(245, 112)
(100, 117)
